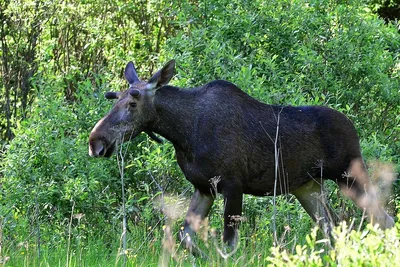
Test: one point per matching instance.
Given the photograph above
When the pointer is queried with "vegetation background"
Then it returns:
(60, 207)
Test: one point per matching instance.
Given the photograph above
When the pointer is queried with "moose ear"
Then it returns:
(163, 76)
(130, 73)
(111, 95)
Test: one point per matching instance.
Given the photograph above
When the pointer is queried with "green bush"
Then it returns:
(370, 247)
(49, 177)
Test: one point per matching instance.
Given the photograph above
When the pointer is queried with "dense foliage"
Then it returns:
(58, 59)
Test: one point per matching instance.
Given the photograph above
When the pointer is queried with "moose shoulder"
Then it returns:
(222, 134)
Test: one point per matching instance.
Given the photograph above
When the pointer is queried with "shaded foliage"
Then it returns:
(19, 40)
(74, 40)
(389, 10)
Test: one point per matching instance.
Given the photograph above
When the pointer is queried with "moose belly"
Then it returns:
(285, 180)
(271, 186)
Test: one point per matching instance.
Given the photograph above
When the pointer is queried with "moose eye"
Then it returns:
(132, 104)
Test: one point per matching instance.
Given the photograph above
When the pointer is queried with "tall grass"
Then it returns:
(369, 247)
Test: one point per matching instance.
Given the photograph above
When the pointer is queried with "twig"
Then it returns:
(276, 152)
(121, 167)
(69, 234)
(37, 222)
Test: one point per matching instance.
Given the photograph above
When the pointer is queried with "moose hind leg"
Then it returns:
(199, 208)
(313, 201)
(358, 187)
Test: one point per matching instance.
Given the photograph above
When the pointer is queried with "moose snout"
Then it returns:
(100, 146)
(97, 148)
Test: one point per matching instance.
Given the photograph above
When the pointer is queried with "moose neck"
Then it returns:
(175, 115)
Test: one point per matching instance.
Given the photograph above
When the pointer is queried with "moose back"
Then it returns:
(218, 131)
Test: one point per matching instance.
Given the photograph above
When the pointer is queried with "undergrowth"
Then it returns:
(157, 246)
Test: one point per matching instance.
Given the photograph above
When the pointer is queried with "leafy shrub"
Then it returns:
(49, 177)
(370, 247)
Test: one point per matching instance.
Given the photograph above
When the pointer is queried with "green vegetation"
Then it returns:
(58, 207)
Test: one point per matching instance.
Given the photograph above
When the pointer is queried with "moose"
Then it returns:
(218, 130)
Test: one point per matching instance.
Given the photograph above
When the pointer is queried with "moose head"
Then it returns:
(133, 112)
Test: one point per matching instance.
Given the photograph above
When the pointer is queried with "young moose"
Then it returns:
(219, 131)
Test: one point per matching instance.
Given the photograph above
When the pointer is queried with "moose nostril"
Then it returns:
(102, 151)
(97, 149)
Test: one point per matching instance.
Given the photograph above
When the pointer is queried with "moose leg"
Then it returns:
(358, 187)
(367, 200)
(232, 212)
(199, 207)
(313, 201)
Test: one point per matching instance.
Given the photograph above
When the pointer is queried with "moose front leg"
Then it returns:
(199, 208)
(232, 212)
